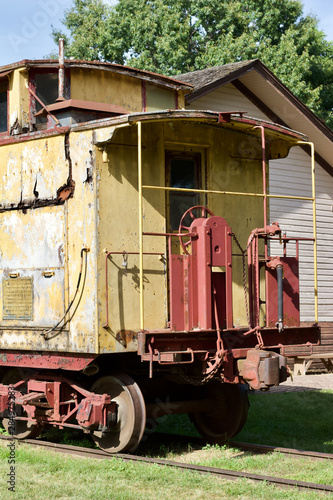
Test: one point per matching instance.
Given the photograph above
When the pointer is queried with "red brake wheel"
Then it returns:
(204, 213)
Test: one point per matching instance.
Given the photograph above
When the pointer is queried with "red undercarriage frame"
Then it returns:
(56, 401)
(239, 350)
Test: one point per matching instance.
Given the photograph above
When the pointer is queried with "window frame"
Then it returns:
(200, 159)
(4, 80)
(32, 85)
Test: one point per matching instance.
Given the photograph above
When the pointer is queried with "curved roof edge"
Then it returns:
(233, 118)
(156, 78)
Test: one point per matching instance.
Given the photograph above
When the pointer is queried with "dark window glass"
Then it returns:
(46, 90)
(3, 108)
(183, 172)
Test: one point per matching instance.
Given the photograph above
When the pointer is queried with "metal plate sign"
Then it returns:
(17, 298)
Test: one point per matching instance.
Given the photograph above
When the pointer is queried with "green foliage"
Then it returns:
(92, 36)
(3, 431)
(177, 36)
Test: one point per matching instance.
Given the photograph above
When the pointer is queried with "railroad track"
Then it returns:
(222, 473)
(255, 448)
(258, 448)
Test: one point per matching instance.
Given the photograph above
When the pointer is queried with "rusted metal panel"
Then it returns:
(17, 298)
(32, 136)
(200, 297)
(177, 295)
(202, 284)
(291, 311)
(48, 360)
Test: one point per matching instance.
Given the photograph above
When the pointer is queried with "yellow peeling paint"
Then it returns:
(31, 167)
(18, 104)
(82, 213)
(181, 100)
(108, 87)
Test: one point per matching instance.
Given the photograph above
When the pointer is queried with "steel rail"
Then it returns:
(256, 448)
(221, 473)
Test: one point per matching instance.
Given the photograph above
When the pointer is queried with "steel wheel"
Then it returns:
(126, 434)
(228, 416)
(23, 429)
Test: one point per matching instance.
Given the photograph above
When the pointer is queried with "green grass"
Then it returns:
(301, 420)
(41, 474)
(295, 420)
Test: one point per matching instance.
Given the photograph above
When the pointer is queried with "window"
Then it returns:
(183, 171)
(3, 107)
(46, 90)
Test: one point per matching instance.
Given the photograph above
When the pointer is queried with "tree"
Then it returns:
(91, 37)
(177, 36)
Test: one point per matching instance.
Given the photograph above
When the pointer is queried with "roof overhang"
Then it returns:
(232, 120)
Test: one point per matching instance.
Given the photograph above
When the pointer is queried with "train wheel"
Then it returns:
(23, 429)
(126, 434)
(228, 416)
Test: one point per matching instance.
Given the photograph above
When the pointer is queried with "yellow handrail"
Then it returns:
(141, 187)
(140, 223)
(212, 191)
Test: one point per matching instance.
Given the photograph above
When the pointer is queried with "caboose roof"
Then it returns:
(148, 76)
(236, 120)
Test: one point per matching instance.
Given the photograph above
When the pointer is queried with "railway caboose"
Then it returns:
(136, 273)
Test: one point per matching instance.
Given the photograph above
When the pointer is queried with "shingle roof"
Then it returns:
(205, 77)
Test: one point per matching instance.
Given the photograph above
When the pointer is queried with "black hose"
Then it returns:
(44, 334)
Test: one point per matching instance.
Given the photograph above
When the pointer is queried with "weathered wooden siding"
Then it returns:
(106, 86)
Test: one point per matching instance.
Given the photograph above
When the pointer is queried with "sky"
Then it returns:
(25, 25)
